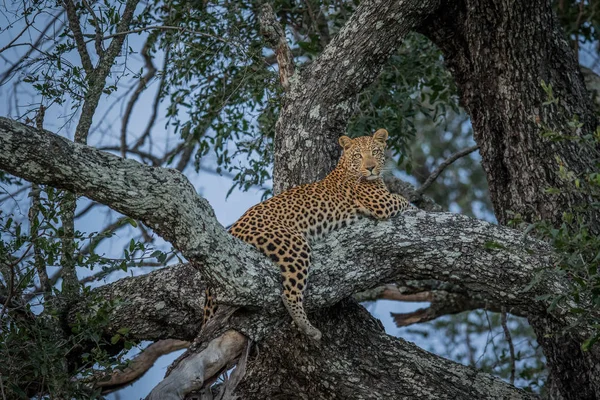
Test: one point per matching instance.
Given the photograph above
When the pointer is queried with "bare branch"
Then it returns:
(431, 178)
(274, 35)
(98, 39)
(140, 364)
(140, 141)
(407, 190)
(197, 368)
(73, 19)
(151, 71)
(510, 346)
(32, 47)
(164, 28)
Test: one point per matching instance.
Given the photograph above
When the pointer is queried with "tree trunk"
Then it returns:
(316, 110)
(500, 52)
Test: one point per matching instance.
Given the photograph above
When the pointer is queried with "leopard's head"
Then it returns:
(364, 156)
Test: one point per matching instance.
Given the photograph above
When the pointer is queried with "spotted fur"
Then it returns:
(283, 226)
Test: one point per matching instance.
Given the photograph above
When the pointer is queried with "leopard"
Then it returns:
(284, 226)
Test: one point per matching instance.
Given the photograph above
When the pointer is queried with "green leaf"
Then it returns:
(115, 339)
(123, 331)
(589, 342)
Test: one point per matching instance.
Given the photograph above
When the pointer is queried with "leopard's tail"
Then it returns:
(295, 307)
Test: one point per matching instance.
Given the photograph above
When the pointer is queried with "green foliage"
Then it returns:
(414, 85)
(39, 349)
(576, 238)
(579, 19)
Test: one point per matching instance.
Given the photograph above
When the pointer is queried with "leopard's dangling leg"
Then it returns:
(210, 307)
(291, 252)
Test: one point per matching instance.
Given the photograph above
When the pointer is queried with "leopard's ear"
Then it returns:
(380, 136)
(345, 142)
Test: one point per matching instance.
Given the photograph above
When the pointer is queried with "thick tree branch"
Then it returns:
(370, 365)
(494, 262)
(162, 304)
(163, 199)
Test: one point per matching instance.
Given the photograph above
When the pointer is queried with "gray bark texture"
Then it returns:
(499, 52)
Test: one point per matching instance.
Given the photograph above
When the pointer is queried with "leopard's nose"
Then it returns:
(371, 168)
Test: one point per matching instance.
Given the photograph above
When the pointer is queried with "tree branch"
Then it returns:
(150, 72)
(431, 178)
(163, 304)
(163, 199)
(199, 367)
(73, 19)
(495, 262)
(275, 36)
(344, 366)
(139, 365)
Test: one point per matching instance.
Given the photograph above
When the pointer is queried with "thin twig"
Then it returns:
(27, 26)
(511, 347)
(151, 71)
(98, 43)
(32, 46)
(431, 178)
(140, 141)
(275, 36)
(73, 19)
(165, 27)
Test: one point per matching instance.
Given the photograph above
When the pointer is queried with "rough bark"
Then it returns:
(499, 52)
(161, 198)
(320, 99)
(358, 360)
(479, 256)
(163, 304)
